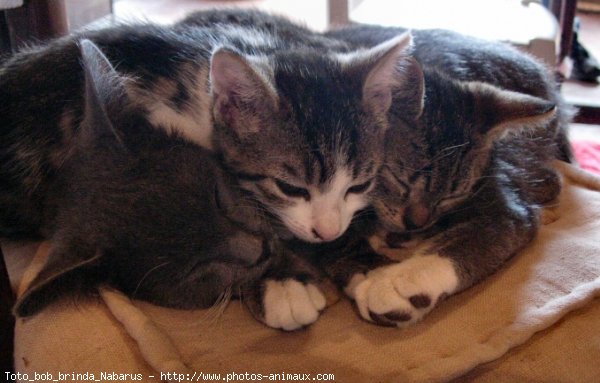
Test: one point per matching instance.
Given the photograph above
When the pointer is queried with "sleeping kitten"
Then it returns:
(467, 58)
(143, 210)
(171, 77)
(156, 216)
(439, 153)
(277, 129)
(467, 167)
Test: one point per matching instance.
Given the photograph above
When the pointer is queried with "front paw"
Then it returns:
(402, 293)
(289, 304)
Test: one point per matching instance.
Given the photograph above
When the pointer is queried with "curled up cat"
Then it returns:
(141, 206)
(472, 133)
(467, 169)
(229, 165)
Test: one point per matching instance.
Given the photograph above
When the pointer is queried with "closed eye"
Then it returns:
(360, 188)
(291, 190)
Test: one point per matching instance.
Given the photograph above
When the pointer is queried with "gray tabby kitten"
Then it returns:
(143, 210)
(278, 130)
(468, 166)
(173, 80)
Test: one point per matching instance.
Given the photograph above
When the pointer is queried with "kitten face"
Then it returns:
(304, 131)
(426, 175)
(434, 162)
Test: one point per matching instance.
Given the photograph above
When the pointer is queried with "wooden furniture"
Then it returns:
(36, 20)
(39, 20)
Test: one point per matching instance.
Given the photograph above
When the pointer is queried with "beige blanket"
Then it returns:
(558, 273)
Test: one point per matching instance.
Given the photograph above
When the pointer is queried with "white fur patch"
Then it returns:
(388, 289)
(329, 211)
(195, 123)
(290, 304)
(196, 127)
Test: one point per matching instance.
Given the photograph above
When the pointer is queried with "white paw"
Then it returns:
(402, 293)
(290, 304)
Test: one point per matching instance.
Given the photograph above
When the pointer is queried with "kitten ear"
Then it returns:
(501, 111)
(242, 93)
(104, 92)
(409, 95)
(392, 74)
(65, 273)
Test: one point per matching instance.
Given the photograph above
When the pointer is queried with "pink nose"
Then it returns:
(326, 233)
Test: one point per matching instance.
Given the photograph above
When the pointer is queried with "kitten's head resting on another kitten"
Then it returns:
(439, 145)
(304, 129)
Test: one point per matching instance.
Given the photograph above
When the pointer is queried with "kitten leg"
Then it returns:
(402, 293)
(291, 304)
(287, 297)
(478, 241)
(392, 293)
(386, 291)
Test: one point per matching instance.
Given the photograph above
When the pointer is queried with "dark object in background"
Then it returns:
(585, 66)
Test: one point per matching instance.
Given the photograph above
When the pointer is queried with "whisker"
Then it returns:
(146, 275)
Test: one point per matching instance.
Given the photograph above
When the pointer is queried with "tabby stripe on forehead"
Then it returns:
(315, 157)
(324, 174)
(404, 185)
(428, 174)
(352, 151)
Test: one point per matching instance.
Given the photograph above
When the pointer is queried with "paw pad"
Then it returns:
(420, 301)
(402, 293)
(290, 304)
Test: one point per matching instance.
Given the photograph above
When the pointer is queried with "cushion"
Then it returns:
(534, 293)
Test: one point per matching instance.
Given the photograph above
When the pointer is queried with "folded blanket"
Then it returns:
(559, 272)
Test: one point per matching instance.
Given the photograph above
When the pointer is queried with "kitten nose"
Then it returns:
(326, 233)
(416, 217)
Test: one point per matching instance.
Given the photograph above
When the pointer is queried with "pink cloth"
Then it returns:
(588, 155)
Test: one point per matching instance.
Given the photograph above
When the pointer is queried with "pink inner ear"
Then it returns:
(227, 74)
(225, 110)
(385, 74)
(379, 98)
(237, 90)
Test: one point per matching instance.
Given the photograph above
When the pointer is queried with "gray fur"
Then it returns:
(143, 211)
(472, 170)
(137, 205)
